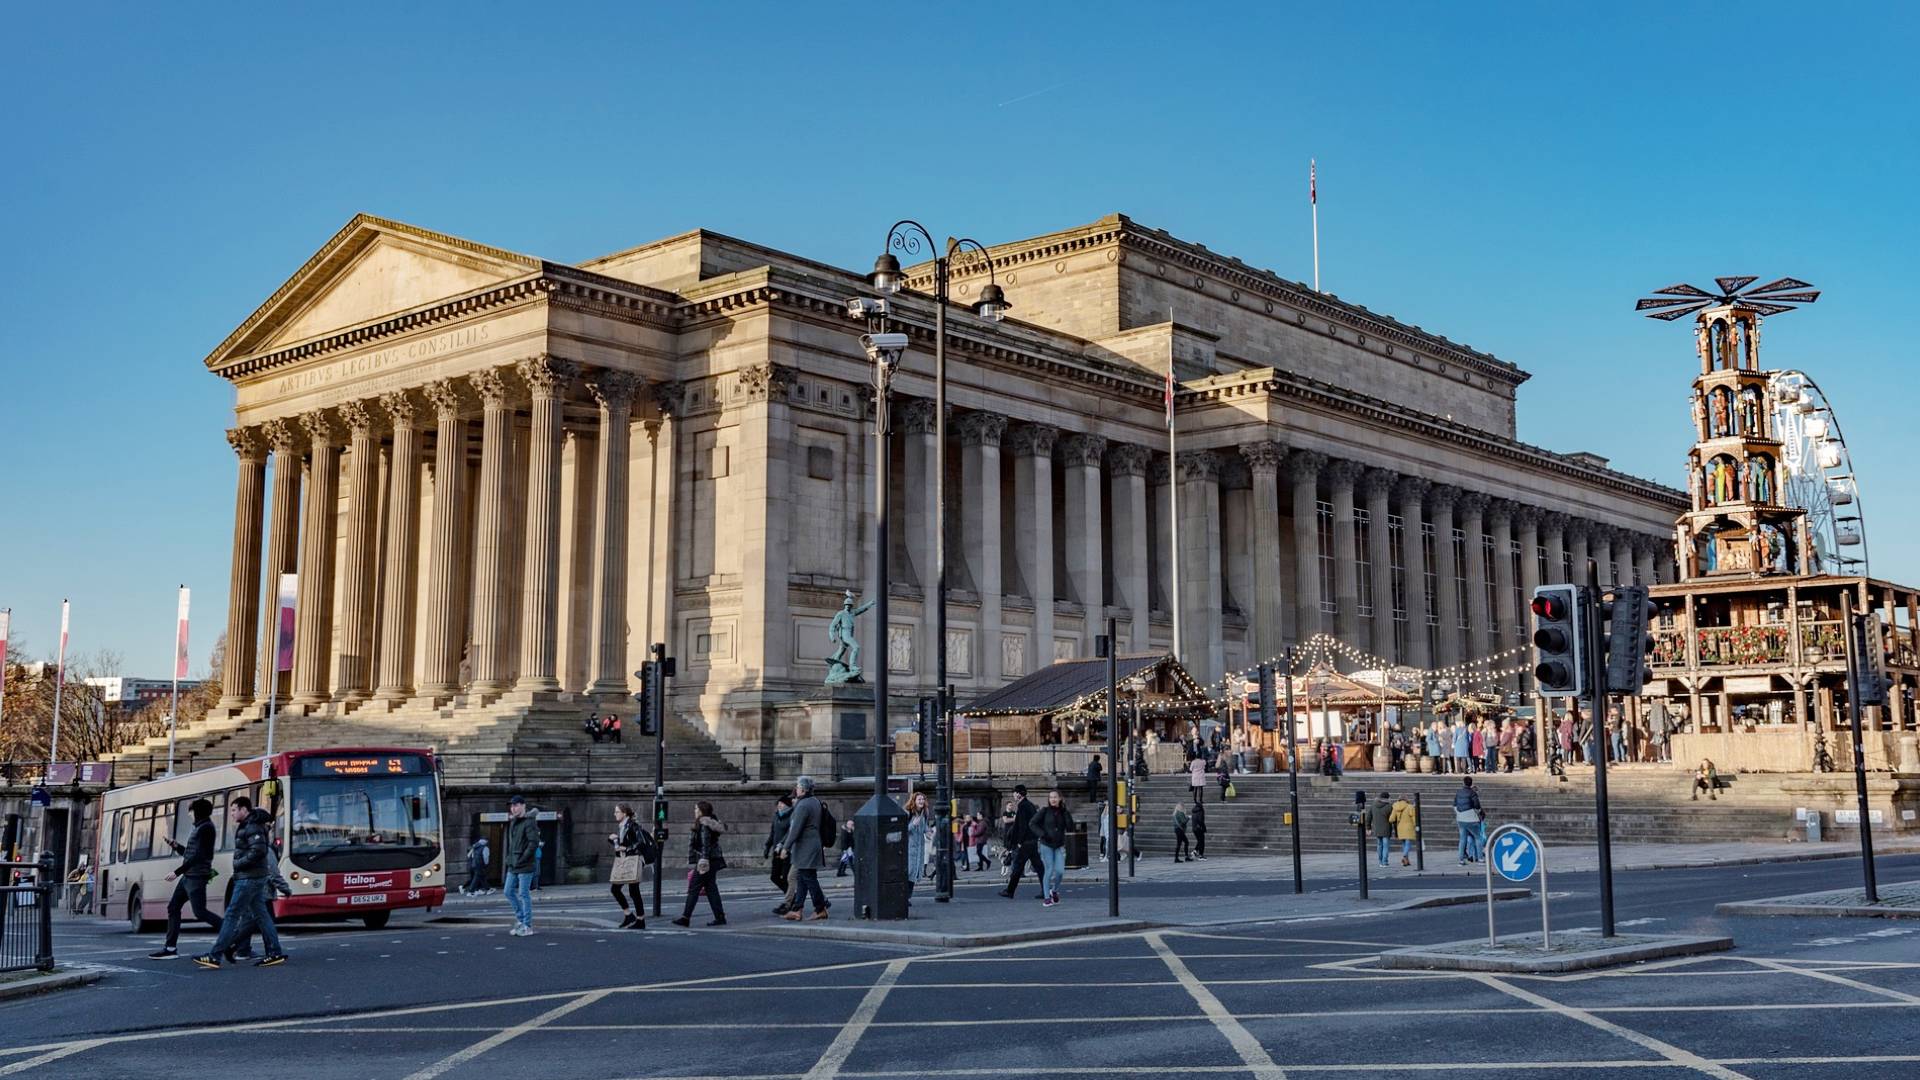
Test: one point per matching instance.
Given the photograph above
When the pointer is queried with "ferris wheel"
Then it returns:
(1819, 476)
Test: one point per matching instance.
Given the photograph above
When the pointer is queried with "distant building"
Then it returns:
(129, 693)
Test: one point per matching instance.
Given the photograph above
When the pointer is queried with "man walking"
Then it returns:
(249, 907)
(521, 862)
(1468, 814)
(1021, 841)
(190, 878)
(1380, 823)
(1180, 850)
(806, 847)
(1093, 779)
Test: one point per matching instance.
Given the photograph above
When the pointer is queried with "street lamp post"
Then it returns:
(878, 892)
(906, 236)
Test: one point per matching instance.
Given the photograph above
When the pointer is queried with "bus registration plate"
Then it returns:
(367, 898)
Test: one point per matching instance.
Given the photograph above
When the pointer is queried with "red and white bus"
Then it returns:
(357, 830)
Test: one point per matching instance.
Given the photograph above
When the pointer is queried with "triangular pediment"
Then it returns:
(371, 269)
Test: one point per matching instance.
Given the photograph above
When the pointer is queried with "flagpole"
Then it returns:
(179, 660)
(1173, 488)
(6, 627)
(282, 646)
(1313, 200)
(59, 685)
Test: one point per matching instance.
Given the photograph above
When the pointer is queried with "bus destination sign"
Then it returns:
(360, 765)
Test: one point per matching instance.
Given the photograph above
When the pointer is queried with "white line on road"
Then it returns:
(505, 1035)
(1236, 1034)
(1672, 1053)
(837, 1052)
(1826, 976)
(51, 1055)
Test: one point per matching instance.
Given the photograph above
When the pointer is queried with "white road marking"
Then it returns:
(1672, 1053)
(1236, 1034)
(51, 1055)
(1827, 976)
(837, 1052)
(505, 1035)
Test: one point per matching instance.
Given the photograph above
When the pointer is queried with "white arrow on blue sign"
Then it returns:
(1515, 857)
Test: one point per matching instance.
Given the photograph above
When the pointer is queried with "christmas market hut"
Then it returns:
(1055, 719)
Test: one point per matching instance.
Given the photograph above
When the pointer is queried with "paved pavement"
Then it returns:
(1284, 996)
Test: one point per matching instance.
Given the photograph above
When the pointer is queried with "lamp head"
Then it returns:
(886, 275)
(992, 303)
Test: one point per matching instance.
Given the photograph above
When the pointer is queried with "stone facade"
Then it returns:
(501, 478)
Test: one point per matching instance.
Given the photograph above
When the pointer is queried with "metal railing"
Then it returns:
(26, 936)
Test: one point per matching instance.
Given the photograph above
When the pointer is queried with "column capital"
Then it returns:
(1553, 522)
(1159, 468)
(762, 382)
(1032, 440)
(1499, 513)
(980, 428)
(285, 436)
(322, 429)
(917, 416)
(445, 397)
(249, 443)
(402, 407)
(1577, 528)
(1648, 544)
(1412, 489)
(1378, 483)
(1342, 472)
(494, 386)
(546, 376)
(1203, 465)
(1303, 466)
(669, 397)
(1263, 457)
(1443, 497)
(1081, 450)
(1472, 504)
(1128, 459)
(361, 417)
(613, 389)
(1526, 517)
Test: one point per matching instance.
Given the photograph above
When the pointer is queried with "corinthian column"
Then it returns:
(540, 631)
(1473, 523)
(445, 619)
(1032, 447)
(403, 497)
(1577, 533)
(1526, 525)
(1263, 462)
(1553, 537)
(1303, 469)
(1081, 454)
(1341, 476)
(980, 435)
(488, 655)
(614, 391)
(243, 588)
(314, 633)
(1377, 486)
(1503, 624)
(1127, 477)
(1446, 576)
(353, 672)
(1413, 547)
(283, 545)
(1198, 474)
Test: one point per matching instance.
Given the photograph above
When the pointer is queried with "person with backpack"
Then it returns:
(1468, 815)
(1180, 850)
(810, 829)
(190, 878)
(479, 854)
(629, 840)
(707, 860)
(1051, 825)
(1200, 831)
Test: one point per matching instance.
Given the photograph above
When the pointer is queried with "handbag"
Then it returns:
(1232, 792)
(1469, 816)
(626, 870)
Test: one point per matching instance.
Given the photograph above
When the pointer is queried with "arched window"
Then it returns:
(1720, 481)
(1743, 343)
(1760, 478)
(1750, 421)
(1719, 412)
(1717, 343)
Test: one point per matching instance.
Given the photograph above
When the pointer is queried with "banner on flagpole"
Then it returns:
(60, 665)
(283, 645)
(180, 639)
(6, 627)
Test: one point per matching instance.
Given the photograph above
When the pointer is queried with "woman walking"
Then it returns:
(1051, 826)
(626, 842)
(1467, 814)
(919, 823)
(703, 855)
(1197, 777)
(780, 861)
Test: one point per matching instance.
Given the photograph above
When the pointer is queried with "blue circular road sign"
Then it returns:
(1515, 856)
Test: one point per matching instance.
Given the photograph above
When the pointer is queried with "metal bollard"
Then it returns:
(1419, 837)
(44, 890)
(1360, 831)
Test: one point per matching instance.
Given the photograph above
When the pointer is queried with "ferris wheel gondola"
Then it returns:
(1819, 474)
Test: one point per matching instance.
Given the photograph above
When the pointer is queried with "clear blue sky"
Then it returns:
(1505, 176)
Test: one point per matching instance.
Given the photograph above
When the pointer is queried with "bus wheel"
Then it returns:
(135, 924)
(376, 920)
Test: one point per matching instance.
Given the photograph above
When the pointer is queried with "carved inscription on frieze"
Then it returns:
(373, 363)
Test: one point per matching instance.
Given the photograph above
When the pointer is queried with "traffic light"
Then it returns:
(928, 716)
(649, 687)
(1870, 661)
(1560, 641)
(1629, 642)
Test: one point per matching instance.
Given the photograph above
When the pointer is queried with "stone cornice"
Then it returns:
(1272, 383)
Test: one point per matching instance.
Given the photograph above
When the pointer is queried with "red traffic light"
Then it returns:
(1549, 607)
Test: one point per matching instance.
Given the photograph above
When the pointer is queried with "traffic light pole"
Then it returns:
(656, 672)
(1597, 685)
(1293, 779)
(1107, 646)
(1857, 646)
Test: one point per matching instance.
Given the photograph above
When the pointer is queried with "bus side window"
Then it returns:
(142, 832)
(183, 821)
(122, 832)
(219, 801)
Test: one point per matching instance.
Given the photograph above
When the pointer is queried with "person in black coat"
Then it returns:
(703, 854)
(1019, 839)
(190, 878)
(780, 866)
(1199, 825)
(626, 841)
(1051, 826)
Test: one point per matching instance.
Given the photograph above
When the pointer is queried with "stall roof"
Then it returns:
(1060, 684)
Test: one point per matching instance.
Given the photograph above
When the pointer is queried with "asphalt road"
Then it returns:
(422, 999)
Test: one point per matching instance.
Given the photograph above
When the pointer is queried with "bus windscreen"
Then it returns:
(344, 824)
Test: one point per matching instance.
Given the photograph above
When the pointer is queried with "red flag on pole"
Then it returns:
(283, 649)
(180, 639)
(1169, 394)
